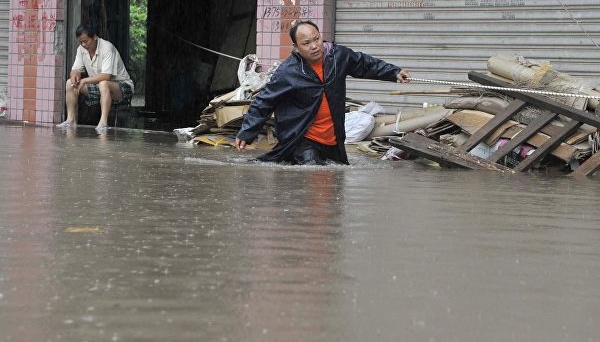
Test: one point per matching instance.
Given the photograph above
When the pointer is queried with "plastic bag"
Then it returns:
(361, 122)
(247, 74)
(371, 108)
(3, 109)
(358, 125)
(250, 79)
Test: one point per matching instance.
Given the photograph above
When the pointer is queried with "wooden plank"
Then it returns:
(525, 134)
(548, 146)
(490, 127)
(444, 154)
(541, 101)
(589, 167)
(472, 120)
(563, 151)
(580, 135)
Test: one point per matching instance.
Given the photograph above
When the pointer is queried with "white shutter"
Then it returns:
(445, 39)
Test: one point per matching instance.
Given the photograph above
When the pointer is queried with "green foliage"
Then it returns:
(138, 14)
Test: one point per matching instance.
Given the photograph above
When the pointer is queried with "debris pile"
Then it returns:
(519, 116)
(222, 118)
(517, 129)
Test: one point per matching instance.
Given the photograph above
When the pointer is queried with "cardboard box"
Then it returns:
(229, 114)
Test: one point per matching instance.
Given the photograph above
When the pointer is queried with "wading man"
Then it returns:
(307, 93)
(107, 80)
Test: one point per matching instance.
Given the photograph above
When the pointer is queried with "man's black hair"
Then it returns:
(90, 30)
(297, 23)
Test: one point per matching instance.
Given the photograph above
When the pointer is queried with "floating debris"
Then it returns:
(83, 230)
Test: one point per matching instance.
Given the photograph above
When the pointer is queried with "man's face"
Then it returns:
(309, 43)
(88, 42)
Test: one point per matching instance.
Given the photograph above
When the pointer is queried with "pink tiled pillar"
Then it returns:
(36, 60)
(274, 17)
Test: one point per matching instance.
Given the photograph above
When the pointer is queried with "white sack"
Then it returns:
(361, 122)
(358, 126)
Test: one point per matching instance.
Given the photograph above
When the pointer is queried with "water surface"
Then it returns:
(134, 236)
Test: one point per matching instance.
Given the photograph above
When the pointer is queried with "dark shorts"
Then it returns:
(313, 153)
(94, 93)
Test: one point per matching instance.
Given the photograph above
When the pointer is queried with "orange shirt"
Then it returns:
(321, 129)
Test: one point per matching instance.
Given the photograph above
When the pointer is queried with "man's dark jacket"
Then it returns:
(294, 94)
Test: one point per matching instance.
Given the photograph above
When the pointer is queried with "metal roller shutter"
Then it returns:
(445, 39)
(4, 7)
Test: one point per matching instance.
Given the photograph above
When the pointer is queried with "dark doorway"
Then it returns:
(112, 19)
(181, 75)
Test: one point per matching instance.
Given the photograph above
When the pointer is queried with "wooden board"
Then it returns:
(444, 154)
(525, 134)
(540, 101)
(490, 127)
(563, 151)
(589, 167)
(548, 146)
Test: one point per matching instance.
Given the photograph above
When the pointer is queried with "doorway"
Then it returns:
(165, 48)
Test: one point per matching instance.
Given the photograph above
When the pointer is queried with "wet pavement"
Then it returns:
(133, 236)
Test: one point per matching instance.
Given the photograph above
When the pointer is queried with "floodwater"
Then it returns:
(133, 236)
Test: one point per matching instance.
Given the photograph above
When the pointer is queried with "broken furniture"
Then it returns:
(459, 157)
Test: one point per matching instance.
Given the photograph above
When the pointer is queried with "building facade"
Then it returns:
(439, 40)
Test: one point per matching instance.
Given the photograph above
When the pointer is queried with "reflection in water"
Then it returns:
(134, 236)
(289, 241)
(24, 199)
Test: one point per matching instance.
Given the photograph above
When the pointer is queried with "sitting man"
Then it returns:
(107, 81)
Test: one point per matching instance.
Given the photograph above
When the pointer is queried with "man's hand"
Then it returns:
(75, 81)
(77, 85)
(403, 76)
(240, 144)
(75, 78)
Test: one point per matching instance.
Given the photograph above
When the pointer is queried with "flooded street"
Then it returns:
(133, 236)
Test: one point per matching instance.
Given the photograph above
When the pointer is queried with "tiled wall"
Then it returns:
(36, 60)
(274, 17)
